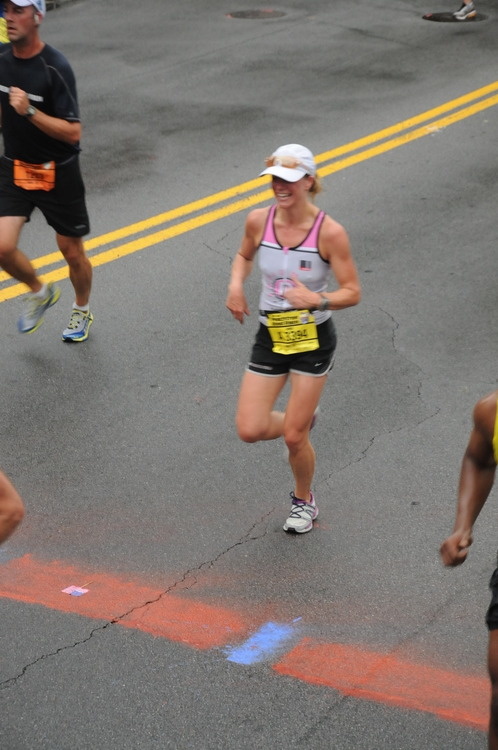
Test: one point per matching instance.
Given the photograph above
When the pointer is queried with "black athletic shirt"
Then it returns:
(49, 81)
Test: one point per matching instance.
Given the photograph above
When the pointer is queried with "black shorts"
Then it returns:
(492, 613)
(265, 361)
(63, 207)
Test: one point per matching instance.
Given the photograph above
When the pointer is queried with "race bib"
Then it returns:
(293, 331)
(34, 176)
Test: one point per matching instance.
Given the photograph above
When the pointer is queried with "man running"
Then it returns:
(477, 476)
(40, 165)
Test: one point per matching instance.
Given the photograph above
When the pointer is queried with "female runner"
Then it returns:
(298, 248)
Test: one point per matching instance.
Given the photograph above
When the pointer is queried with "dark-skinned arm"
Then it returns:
(477, 476)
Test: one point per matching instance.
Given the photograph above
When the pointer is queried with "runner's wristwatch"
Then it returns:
(324, 304)
(30, 111)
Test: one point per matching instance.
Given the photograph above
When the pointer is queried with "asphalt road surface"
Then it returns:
(202, 625)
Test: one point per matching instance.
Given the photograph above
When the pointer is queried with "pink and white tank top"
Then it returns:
(279, 264)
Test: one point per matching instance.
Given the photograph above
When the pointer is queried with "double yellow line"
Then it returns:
(248, 194)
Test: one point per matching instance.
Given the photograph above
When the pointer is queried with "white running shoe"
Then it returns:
(468, 10)
(79, 326)
(35, 308)
(301, 516)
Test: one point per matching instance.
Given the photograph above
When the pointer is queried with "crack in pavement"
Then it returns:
(190, 573)
(434, 413)
(364, 451)
(218, 251)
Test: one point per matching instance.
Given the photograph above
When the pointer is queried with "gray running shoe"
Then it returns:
(35, 308)
(301, 516)
(466, 11)
(79, 326)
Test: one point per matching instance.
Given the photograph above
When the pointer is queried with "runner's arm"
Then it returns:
(55, 127)
(477, 476)
(335, 247)
(243, 263)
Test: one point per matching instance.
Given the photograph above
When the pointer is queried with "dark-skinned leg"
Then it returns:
(493, 675)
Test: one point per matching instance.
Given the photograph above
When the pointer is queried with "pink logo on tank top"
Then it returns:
(281, 285)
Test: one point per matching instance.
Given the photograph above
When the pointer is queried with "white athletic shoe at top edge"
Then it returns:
(468, 10)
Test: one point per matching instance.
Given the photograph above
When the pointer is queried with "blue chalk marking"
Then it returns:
(263, 645)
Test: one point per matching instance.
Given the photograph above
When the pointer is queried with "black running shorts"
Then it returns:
(492, 613)
(63, 207)
(319, 362)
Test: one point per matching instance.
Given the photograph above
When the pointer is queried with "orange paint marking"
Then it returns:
(353, 671)
(384, 678)
(190, 622)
